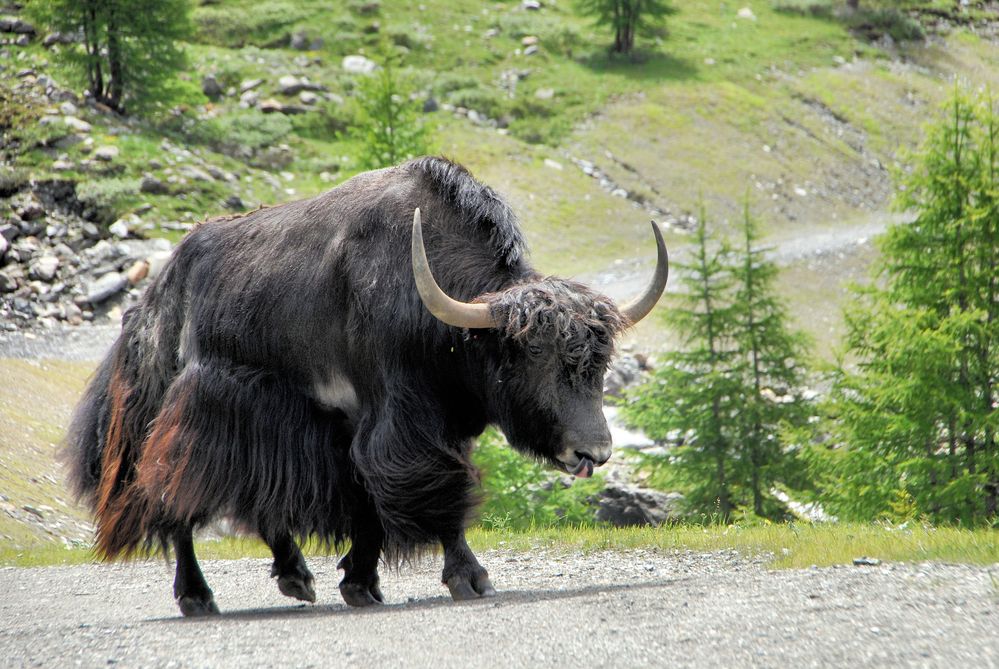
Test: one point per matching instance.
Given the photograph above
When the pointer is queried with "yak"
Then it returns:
(301, 371)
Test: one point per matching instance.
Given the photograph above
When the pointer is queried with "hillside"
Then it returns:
(805, 116)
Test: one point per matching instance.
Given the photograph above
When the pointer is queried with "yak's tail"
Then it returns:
(103, 445)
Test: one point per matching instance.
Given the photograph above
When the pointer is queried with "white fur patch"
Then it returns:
(336, 392)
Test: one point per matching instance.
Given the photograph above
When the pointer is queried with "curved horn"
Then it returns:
(450, 311)
(640, 307)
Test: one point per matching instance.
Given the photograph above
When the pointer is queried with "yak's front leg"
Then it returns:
(463, 575)
(190, 589)
(293, 575)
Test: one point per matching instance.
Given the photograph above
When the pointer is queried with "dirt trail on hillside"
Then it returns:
(613, 609)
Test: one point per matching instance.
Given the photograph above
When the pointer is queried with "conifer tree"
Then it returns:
(389, 122)
(918, 416)
(693, 391)
(627, 18)
(772, 372)
(130, 51)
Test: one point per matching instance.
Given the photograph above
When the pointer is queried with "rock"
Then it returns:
(357, 64)
(623, 372)
(44, 268)
(9, 232)
(75, 124)
(31, 211)
(4, 245)
(196, 173)
(746, 13)
(308, 97)
(249, 99)
(430, 105)
(91, 231)
(529, 40)
(58, 38)
(157, 261)
(289, 85)
(624, 505)
(106, 153)
(68, 141)
(531, 5)
(270, 106)
(137, 272)
(300, 41)
(531, 50)
(544, 93)
(211, 87)
(67, 108)
(866, 562)
(8, 282)
(62, 166)
(249, 84)
(152, 185)
(553, 164)
(108, 285)
(12, 24)
(234, 202)
(119, 229)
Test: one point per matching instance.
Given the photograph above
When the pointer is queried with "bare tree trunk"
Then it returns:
(115, 64)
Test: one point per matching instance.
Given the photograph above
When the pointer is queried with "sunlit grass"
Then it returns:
(785, 546)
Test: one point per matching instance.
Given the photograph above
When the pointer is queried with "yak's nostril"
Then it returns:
(595, 459)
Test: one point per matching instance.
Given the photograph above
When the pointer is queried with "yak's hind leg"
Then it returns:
(463, 575)
(190, 589)
(359, 586)
(293, 575)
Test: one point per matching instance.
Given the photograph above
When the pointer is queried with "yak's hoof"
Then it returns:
(193, 606)
(359, 594)
(470, 586)
(298, 587)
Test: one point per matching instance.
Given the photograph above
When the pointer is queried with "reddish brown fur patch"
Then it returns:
(165, 459)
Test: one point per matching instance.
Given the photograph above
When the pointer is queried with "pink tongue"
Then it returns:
(584, 469)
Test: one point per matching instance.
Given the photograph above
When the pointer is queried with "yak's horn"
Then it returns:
(450, 311)
(639, 308)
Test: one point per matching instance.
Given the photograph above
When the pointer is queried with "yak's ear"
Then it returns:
(437, 302)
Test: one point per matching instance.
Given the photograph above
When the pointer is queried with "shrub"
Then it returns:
(239, 134)
(521, 494)
(105, 200)
(484, 101)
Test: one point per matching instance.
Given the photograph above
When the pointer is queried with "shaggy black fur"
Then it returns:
(283, 372)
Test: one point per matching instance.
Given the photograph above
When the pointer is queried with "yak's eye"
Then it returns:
(534, 349)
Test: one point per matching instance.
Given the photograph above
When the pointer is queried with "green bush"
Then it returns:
(107, 199)
(488, 102)
(521, 494)
(327, 122)
(820, 8)
(269, 21)
(239, 134)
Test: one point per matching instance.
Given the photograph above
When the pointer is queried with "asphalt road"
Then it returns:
(612, 609)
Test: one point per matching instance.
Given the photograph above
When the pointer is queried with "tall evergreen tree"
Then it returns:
(772, 374)
(694, 391)
(130, 49)
(921, 404)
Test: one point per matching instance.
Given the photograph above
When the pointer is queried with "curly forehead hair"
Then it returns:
(564, 311)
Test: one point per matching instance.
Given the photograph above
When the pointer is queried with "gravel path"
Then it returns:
(614, 609)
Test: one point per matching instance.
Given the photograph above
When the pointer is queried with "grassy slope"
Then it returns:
(688, 123)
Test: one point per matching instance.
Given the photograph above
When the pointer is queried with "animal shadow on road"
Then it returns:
(504, 598)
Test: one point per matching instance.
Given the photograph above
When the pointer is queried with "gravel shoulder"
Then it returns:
(626, 609)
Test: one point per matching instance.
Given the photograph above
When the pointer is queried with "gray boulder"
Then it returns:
(624, 505)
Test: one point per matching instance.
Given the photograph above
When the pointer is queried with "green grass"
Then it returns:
(786, 546)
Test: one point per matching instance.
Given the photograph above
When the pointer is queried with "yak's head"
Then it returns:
(556, 339)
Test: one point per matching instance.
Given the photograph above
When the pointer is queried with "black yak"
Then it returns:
(300, 371)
